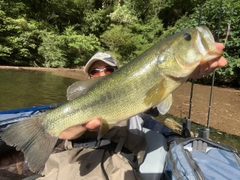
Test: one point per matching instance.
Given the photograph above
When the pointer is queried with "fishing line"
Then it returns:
(227, 33)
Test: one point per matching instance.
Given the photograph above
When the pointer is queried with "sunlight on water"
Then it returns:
(26, 88)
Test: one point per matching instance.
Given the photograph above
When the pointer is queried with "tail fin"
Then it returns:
(30, 137)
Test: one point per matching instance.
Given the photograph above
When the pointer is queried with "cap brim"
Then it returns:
(91, 61)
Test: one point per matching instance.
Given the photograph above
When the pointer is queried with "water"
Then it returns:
(25, 88)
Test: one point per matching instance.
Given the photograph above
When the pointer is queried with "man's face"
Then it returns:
(100, 68)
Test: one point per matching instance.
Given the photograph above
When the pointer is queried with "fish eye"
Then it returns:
(187, 36)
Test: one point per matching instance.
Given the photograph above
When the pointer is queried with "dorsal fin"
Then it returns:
(80, 87)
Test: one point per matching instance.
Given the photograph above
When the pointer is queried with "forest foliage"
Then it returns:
(66, 33)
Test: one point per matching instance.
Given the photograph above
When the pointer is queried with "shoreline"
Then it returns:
(74, 73)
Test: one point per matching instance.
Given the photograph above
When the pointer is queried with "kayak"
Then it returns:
(13, 157)
(12, 164)
(10, 117)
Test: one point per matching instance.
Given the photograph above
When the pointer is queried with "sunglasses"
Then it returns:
(96, 72)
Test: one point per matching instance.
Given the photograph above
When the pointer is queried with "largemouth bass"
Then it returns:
(147, 81)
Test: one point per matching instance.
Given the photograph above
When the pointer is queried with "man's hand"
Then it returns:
(77, 131)
(207, 68)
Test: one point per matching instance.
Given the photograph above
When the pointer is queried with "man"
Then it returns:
(114, 159)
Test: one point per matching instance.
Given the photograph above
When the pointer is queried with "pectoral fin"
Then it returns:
(103, 129)
(165, 105)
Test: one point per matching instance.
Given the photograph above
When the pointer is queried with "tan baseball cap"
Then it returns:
(100, 56)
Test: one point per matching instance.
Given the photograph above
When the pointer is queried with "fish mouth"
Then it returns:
(206, 32)
(210, 56)
(210, 51)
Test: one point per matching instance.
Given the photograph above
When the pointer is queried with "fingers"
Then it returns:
(210, 66)
(77, 131)
(222, 62)
(219, 46)
(73, 132)
(204, 70)
(93, 125)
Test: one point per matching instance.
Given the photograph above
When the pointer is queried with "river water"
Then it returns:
(24, 88)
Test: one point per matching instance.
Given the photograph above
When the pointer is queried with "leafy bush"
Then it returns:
(67, 34)
(68, 49)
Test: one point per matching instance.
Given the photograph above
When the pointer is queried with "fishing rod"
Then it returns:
(214, 72)
(211, 92)
(193, 80)
(205, 132)
(186, 124)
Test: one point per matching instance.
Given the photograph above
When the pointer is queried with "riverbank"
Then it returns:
(76, 73)
(224, 111)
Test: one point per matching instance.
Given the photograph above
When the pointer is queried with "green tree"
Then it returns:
(217, 17)
(129, 36)
(66, 34)
(68, 49)
(78, 47)
(50, 53)
(18, 41)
